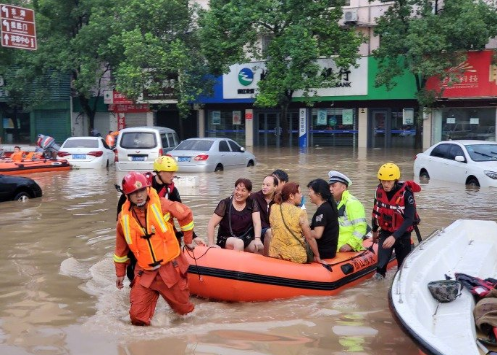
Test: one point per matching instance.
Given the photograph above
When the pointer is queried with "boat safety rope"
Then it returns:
(192, 255)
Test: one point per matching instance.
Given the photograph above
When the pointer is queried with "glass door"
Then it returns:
(379, 129)
(269, 131)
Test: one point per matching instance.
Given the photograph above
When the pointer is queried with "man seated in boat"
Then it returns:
(351, 213)
(290, 227)
(239, 221)
(324, 225)
(265, 199)
(282, 177)
(18, 154)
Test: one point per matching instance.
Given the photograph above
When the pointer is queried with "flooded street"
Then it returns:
(58, 293)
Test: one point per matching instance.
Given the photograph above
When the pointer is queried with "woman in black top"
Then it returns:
(324, 224)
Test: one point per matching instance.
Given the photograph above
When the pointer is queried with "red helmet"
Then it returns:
(133, 182)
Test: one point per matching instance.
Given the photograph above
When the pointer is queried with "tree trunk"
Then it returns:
(285, 134)
(16, 133)
(418, 124)
(89, 111)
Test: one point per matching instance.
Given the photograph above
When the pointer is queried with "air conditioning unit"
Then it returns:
(350, 15)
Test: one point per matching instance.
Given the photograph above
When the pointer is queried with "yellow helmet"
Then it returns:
(165, 163)
(389, 171)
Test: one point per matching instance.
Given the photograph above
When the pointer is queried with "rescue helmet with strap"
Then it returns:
(134, 181)
(389, 172)
(165, 163)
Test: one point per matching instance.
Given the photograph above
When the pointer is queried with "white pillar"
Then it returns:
(362, 127)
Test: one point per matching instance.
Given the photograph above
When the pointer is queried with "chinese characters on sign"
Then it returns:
(18, 27)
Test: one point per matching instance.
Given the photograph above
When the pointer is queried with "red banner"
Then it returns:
(479, 78)
(121, 121)
(131, 108)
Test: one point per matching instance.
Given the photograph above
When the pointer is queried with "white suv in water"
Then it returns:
(138, 147)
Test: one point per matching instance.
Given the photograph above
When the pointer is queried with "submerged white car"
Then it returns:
(86, 152)
(470, 162)
(210, 154)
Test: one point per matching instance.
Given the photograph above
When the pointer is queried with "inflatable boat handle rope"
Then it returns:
(192, 255)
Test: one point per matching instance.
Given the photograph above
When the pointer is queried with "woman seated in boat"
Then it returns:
(239, 221)
(290, 227)
(324, 225)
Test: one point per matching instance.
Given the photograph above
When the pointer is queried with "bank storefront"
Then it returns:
(352, 113)
(467, 109)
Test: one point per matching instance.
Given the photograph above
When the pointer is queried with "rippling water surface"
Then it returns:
(57, 291)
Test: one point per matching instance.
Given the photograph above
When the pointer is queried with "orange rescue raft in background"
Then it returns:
(33, 166)
(227, 275)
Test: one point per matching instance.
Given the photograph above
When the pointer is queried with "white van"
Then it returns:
(138, 147)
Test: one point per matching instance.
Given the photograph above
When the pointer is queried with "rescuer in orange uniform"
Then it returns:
(110, 139)
(161, 268)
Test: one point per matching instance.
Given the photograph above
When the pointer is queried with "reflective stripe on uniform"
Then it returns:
(158, 217)
(120, 259)
(187, 227)
(126, 229)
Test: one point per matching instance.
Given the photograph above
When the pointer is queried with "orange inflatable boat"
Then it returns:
(227, 275)
(32, 166)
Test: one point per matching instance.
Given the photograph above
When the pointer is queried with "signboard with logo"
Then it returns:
(477, 80)
(241, 82)
(18, 27)
(302, 128)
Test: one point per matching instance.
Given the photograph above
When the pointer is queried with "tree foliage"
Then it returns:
(298, 32)
(428, 37)
(102, 44)
(158, 47)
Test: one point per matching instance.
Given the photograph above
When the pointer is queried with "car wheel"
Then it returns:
(22, 196)
(250, 163)
(473, 182)
(423, 174)
(219, 167)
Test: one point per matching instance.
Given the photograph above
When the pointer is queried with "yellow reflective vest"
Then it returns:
(352, 222)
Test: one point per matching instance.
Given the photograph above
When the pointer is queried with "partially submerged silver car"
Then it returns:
(211, 154)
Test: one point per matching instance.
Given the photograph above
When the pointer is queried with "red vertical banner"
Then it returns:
(121, 121)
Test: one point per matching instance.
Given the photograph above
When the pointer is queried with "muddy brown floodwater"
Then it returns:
(58, 294)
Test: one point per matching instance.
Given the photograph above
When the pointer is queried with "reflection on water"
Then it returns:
(58, 294)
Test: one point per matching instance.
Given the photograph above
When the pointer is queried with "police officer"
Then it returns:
(351, 214)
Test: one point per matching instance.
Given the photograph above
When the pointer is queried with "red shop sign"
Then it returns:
(479, 78)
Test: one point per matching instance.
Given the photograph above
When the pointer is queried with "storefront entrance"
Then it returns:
(391, 128)
(268, 129)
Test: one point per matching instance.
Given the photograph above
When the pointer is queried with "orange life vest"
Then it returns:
(110, 139)
(155, 244)
(17, 156)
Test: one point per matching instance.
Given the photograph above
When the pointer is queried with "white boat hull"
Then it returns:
(466, 246)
